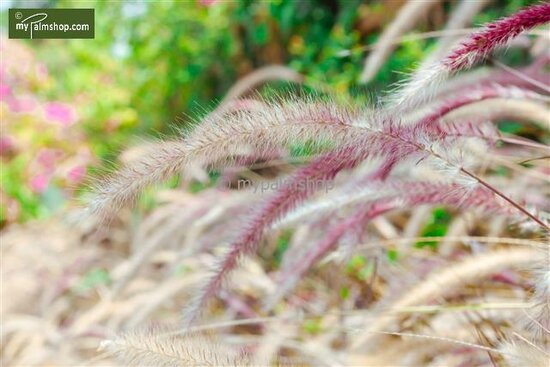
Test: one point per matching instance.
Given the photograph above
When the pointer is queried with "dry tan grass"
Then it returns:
(50, 319)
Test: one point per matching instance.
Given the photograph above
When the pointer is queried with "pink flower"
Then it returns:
(39, 183)
(61, 113)
(76, 174)
(41, 71)
(47, 158)
(21, 105)
(207, 2)
(5, 91)
(6, 145)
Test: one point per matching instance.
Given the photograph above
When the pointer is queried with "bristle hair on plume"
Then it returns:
(221, 137)
(380, 141)
(382, 137)
(521, 354)
(147, 349)
(410, 194)
(420, 86)
(394, 143)
(538, 322)
(247, 241)
(390, 196)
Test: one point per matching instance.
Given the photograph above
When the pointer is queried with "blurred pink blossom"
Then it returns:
(61, 113)
(47, 158)
(207, 2)
(39, 183)
(76, 174)
(6, 145)
(41, 71)
(5, 91)
(20, 105)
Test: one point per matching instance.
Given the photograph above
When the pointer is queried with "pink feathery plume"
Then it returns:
(532, 77)
(247, 242)
(390, 140)
(297, 189)
(407, 195)
(471, 96)
(496, 34)
(365, 214)
(420, 86)
(385, 142)
(222, 136)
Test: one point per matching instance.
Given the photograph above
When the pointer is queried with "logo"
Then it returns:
(51, 23)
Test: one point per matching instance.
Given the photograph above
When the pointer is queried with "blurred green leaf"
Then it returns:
(436, 227)
(92, 279)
